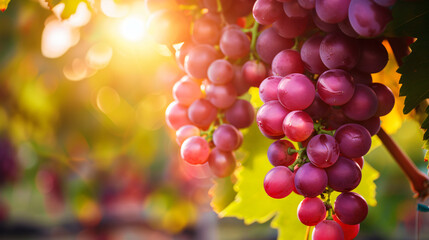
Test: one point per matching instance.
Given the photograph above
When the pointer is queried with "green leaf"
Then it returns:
(222, 193)
(70, 6)
(252, 204)
(410, 18)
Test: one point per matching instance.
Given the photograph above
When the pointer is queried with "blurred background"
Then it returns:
(85, 152)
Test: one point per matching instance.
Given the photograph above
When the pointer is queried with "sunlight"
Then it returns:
(132, 28)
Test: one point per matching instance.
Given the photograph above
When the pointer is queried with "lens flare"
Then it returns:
(132, 28)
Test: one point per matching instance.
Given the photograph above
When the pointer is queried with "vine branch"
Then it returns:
(418, 180)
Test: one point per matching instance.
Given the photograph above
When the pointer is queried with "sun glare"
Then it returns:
(132, 28)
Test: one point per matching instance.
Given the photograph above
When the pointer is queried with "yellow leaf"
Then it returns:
(3, 4)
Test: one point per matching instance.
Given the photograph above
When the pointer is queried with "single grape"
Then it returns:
(335, 87)
(298, 126)
(278, 182)
(176, 115)
(186, 91)
(199, 59)
(287, 62)
(354, 140)
(240, 85)
(226, 137)
(361, 77)
(206, 31)
(339, 51)
(351, 208)
(221, 163)
(296, 92)
(310, 55)
(367, 18)
(373, 57)
(241, 114)
(268, 88)
(220, 72)
(221, 96)
(344, 175)
(278, 153)
(350, 231)
(332, 11)
(270, 118)
(363, 105)
(311, 211)
(328, 230)
(336, 118)
(202, 113)
(323, 151)
(294, 10)
(310, 181)
(266, 12)
(195, 150)
(386, 99)
(186, 132)
(269, 43)
(372, 125)
(234, 43)
(254, 72)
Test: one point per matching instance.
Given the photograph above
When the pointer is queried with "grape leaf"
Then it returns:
(70, 6)
(410, 18)
(4, 4)
(222, 194)
(252, 204)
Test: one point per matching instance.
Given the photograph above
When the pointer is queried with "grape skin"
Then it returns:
(278, 182)
(328, 230)
(278, 153)
(353, 139)
(222, 163)
(195, 150)
(241, 114)
(311, 211)
(296, 92)
(345, 175)
(298, 126)
(351, 208)
(310, 181)
(323, 151)
(270, 119)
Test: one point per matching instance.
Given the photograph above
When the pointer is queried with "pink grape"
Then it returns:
(328, 230)
(278, 182)
(221, 96)
(310, 181)
(234, 43)
(350, 231)
(385, 97)
(176, 115)
(298, 126)
(311, 211)
(186, 132)
(202, 113)
(278, 153)
(266, 12)
(332, 11)
(339, 51)
(296, 92)
(199, 59)
(323, 151)
(345, 175)
(186, 91)
(269, 43)
(268, 88)
(195, 150)
(288, 27)
(287, 62)
(254, 72)
(373, 57)
(221, 163)
(241, 114)
(310, 55)
(367, 18)
(270, 119)
(335, 87)
(220, 72)
(226, 138)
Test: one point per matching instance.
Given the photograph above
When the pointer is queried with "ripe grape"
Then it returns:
(222, 163)
(287, 62)
(221, 96)
(206, 31)
(226, 137)
(373, 56)
(310, 181)
(254, 72)
(195, 150)
(339, 51)
(289, 27)
(278, 182)
(310, 55)
(234, 43)
(199, 59)
(322, 25)
(296, 92)
(328, 230)
(386, 99)
(335, 87)
(318, 108)
(363, 105)
(367, 18)
(372, 125)
(186, 132)
(186, 91)
(298, 126)
(268, 88)
(351, 208)
(269, 43)
(323, 151)
(350, 231)
(353, 139)
(270, 119)
(344, 175)
(241, 114)
(176, 115)
(220, 72)
(266, 12)
(293, 9)
(311, 211)
(240, 85)
(202, 113)
(278, 153)
(332, 11)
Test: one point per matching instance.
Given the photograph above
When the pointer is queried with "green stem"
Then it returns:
(255, 34)
(328, 204)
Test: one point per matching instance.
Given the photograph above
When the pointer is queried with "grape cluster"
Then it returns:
(207, 112)
(320, 95)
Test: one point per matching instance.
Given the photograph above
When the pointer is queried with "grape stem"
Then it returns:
(307, 233)
(255, 34)
(419, 181)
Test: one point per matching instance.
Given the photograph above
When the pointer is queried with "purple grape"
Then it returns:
(347, 28)
(363, 105)
(335, 87)
(195, 150)
(318, 109)
(351, 208)
(339, 51)
(287, 62)
(336, 118)
(241, 114)
(344, 175)
(268, 88)
(323, 151)
(288, 27)
(199, 59)
(221, 163)
(385, 3)
(254, 72)
(310, 181)
(361, 77)
(367, 18)
(328, 230)
(202, 113)
(234, 43)
(270, 119)
(354, 140)
(221, 96)
(176, 115)
(186, 91)
(373, 56)
(298, 126)
(310, 55)
(240, 85)
(269, 43)
(311, 211)
(294, 10)
(267, 12)
(324, 26)
(278, 182)
(386, 99)
(372, 125)
(278, 153)
(220, 72)
(332, 11)
(296, 92)
(226, 138)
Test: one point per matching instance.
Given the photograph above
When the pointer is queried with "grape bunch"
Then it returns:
(216, 59)
(320, 104)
